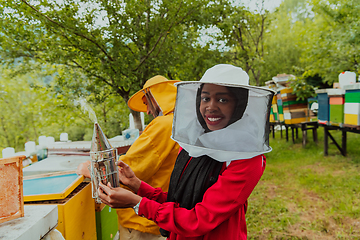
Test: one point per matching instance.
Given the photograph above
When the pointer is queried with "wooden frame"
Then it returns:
(12, 206)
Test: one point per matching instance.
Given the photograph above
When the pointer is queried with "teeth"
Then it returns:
(214, 119)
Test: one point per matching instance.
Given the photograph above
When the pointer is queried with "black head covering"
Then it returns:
(241, 95)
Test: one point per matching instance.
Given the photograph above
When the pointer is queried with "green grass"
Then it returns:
(305, 195)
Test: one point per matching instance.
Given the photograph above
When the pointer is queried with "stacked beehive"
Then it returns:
(313, 108)
(280, 107)
(352, 105)
(295, 111)
(336, 106)
(274, 111)
(323, 111)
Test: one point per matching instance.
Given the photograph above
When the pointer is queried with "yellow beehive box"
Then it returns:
(281, 117)
(11, 185)
(286, 90)
(296, 116)
(275, 108)
(274, 100)
(295, 120)
(271, 118)
(73, 197)
(352, 119)
(77, 215)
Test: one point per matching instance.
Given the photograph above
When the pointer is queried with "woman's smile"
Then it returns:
(212, 120)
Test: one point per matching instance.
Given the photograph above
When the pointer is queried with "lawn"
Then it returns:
(305, 195)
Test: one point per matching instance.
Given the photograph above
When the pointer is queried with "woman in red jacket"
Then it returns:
(221, 124)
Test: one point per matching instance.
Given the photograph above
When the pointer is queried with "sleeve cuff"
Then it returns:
(148, 209)
(144, 189)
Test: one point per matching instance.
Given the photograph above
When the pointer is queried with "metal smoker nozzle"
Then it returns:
(99, 140)
(103, 158)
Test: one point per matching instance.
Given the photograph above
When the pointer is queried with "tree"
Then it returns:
(331, 45)
(28, 107)
(243, 32)
(343, 21)
(284, 36)
(119, 44)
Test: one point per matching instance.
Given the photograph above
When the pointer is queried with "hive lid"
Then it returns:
(52, 186)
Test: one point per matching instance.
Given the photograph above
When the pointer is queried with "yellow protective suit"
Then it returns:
(152, 156)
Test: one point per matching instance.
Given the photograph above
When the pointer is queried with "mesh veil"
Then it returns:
(246, 136)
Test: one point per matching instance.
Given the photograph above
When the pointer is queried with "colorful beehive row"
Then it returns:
(295, 111)
(340, 106)
(352, 105)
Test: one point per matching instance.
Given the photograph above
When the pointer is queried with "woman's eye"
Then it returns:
(223, 100)
(204, 99)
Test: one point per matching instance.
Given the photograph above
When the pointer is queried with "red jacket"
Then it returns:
(220, 215)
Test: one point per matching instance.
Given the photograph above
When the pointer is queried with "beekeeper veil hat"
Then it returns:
(246, 134)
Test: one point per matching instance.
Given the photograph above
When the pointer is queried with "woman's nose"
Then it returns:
(212, 105)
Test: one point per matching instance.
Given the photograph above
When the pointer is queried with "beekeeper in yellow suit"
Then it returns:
(152, 156)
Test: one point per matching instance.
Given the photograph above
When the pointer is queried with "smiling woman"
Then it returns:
(222, 125)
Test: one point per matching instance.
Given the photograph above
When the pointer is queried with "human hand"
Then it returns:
(127, 176)
(82, 169)
(117, 197)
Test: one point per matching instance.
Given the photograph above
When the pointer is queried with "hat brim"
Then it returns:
(228, 85)
(136, 102)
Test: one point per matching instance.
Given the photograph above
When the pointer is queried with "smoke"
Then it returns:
(85, 107)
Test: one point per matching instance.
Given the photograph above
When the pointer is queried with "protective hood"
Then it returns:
(247, 133)
(163, 92)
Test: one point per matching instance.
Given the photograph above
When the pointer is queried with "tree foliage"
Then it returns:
(32, 107)
(27, 107)
(243, 32)
(302, 89)
(120, 44)
(284, 37)
(100, 50)
(341, 36)
(313, 38)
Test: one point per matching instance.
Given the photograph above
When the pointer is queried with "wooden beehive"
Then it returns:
(336, 106)
(280, 107)
(274, 110)
(295, 111)
(352, 105)
(324, 106)
(11, 185)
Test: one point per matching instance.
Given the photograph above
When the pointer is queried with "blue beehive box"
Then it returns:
(323, 101)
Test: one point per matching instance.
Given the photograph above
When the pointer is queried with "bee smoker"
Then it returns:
(103, 157)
